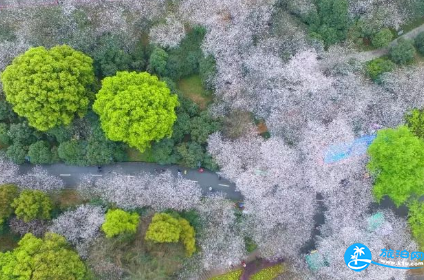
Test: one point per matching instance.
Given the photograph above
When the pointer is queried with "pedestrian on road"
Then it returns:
(210, 189)
(185, 171)
(201, 170)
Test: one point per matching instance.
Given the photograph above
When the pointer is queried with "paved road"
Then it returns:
(72, 174)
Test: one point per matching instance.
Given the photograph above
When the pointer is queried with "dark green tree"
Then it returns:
(191, 154)
(403, 52)
(16, 153)
(157, 61)
(419, 43)
(163, 152)
(61, 133)
(4, 134)
(73, 152)
(23, 134)
(40, 153)
(202, 126)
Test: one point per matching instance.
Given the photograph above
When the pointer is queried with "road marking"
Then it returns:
(192, 181)
(224, 185)
(96, 175)
(65, 175)
(130, 176)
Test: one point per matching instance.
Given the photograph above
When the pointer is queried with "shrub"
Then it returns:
(415, 122)
(157, 61)
(4, 137)
(233, 275)
(118, 221)
(31, 205)
(268, 273)
(403, 52)
(378, 66)
(16, 153)
(416, 221)
(8, 193)
(382, 38)
(33, 85)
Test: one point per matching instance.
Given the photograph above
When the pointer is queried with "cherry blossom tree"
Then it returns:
(36, 227)
(8, 171)
(220, 241)
(80, 226)
(168, 34)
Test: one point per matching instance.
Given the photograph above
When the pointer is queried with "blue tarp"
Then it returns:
(342, 151)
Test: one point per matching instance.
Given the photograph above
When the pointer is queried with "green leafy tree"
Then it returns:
(8, 193)
(378, 66)
(191, 153)
(118, 221)
(135, 108)
(403, 52)
(419, 43)
(330, 22)
(40, 153)
(49, 87)
(157, 61)
(41, 259)
(110, 56)
(73, 152)
(415, 122)
(202, 126)
(23, 134)
(31, 205)
(382, 38)
(6, 112)
(397, 162)
(61, 133)
(17, 153)
(207, 71)
(4, 134)
(184, 60)
(416, 221)
(163, 152)
(163, 228)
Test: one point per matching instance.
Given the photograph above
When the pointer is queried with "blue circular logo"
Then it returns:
(357, 257)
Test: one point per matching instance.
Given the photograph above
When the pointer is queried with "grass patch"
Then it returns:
(232, 275)
(192, 88)
(268, 273)
(134, 155)
(8, 242)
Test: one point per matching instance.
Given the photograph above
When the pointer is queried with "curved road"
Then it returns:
(72, 174)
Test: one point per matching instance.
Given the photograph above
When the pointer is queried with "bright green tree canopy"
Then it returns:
(135, 108)
(32, 204)
(41, 259)
(49, 87)
(397, 162)
(118, 221)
